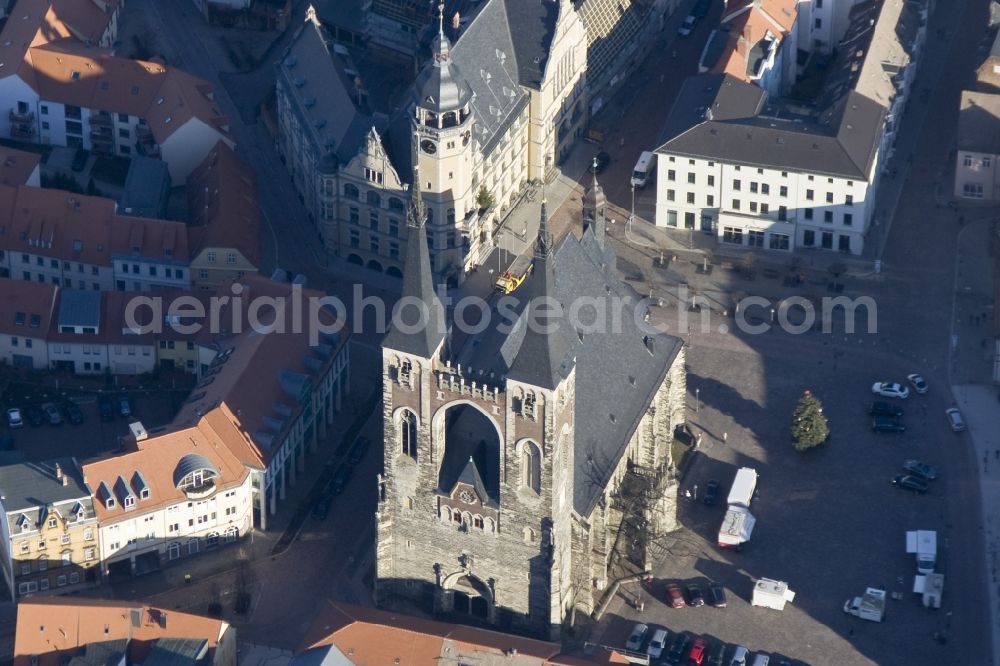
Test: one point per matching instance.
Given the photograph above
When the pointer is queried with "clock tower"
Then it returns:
(445, 146)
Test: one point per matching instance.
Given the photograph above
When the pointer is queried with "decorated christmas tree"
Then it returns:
(809, 426)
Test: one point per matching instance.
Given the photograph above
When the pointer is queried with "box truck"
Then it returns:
(869, 606)
(771, 594)
(923, 544)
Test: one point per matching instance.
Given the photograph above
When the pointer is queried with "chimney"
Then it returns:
(59, 474)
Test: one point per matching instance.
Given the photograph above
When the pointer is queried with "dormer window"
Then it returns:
(140, 486)
(195, 475)
(144, 493)
(109, 503)
(129, 502)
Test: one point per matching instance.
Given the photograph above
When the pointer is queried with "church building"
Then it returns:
(513, 454)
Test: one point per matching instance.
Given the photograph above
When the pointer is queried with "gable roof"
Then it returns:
(29, 488)
(49, 628)
(28, 308)
(16, 166)
(749, 31)
(532, 28)
(722, 118)
(979, 122)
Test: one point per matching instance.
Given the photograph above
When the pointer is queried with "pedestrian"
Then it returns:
(621, 142)
(697, 444)
(725, 436)
(695, 491)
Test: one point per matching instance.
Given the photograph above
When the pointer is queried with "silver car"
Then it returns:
(955, 419)
(635, 639)
(14, 419)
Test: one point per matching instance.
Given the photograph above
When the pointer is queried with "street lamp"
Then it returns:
(697, 400)
(631, 217)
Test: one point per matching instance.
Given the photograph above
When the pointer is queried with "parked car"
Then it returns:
(656, 645)
(34, 415)
(694, 596)
(124, 406)
(678, 647)
(923, 470)
(359, 450)
(887, 424)
(717, 595)
(740, 655)
(698, 652)
(601, 162)
(52, 414)
(761, 659)
(882, 408)
(339, 481)
(910, 482)
(711, 492)
(890, 390)
(80, 160)
(674, 596)
(955, 419)
(635, 639)
(14, 418)
(687, 27)
(73, 413)
(717, 655)
(105, 408)
(918, 383)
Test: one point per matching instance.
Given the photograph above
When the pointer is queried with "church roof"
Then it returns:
(440, 87)
(470, 476)
(619, 365)
(418, 287)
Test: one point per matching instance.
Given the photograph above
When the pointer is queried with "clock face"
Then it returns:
(466, 497)
(428, 146)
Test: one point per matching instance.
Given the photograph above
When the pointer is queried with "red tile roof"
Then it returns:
(16, 166)
(28, 308)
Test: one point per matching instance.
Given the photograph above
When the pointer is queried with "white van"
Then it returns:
(643, 169)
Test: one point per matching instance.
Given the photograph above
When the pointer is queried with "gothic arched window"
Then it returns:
(531, 467)
(408, 433)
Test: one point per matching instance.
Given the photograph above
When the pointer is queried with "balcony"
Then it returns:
(145, 143)
(22, 130)
(18, 117)
(101, 119)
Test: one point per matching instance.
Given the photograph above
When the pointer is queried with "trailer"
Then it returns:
(737, 527)
(923, 544)
(870, 606)
(931, 587)
(743, 487)
(518, 272)
(771, 594)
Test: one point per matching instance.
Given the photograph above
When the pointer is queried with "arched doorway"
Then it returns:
(374, 266)
(392, 271)
(471, 597)
(466, 434)
(355, 259)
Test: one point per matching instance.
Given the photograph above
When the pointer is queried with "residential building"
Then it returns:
(179, 492)
(51, 632)
(988, 74)
(348, 634)
(224, 228)
(91, 22)
(761, 172)
(494, 109)
(756, 42)
(19, 167)
(65, 93)
(977, 177)
(510, 455)
(49, 533)
(147, 188)
(24, 324)
(269, 397)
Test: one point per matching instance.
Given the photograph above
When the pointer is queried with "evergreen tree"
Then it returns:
(809, 426)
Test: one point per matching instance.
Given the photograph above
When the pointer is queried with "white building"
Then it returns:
(175, 495)
(977, 176)
(28, 309)
(767, 181)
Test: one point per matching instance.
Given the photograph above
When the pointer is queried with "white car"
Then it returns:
(634, 642)
(955, 419)
(918, 383)
(687, 27)
(890, 390)
(14, 419)
(657, 645)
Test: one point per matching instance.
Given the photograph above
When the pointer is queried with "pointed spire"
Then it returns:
(543, 245)
(594, 203)
(418, 290)
(442, 46)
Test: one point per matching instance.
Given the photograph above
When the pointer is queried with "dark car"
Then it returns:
(882, 408)
(914, 483)
(678, 647)
(73, 413)
(674, 596)
(80, 160)
(106, 408)
(359, 450)
(717, 595)
(34, 415)
(711, 492)
(694, 596)
(887, 424)
(716, 655)
(339, 481)
(601, 162)
(322, 507)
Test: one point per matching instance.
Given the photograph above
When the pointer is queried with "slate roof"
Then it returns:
(532, 26)
(147, 187)
(441, 87)
(470, 476)
(979, 123)
(618, 369)
(29, 487)
(79, 308)
(719, 117)
(418, 286)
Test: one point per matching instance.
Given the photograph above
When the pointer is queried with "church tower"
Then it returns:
(445, 148)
